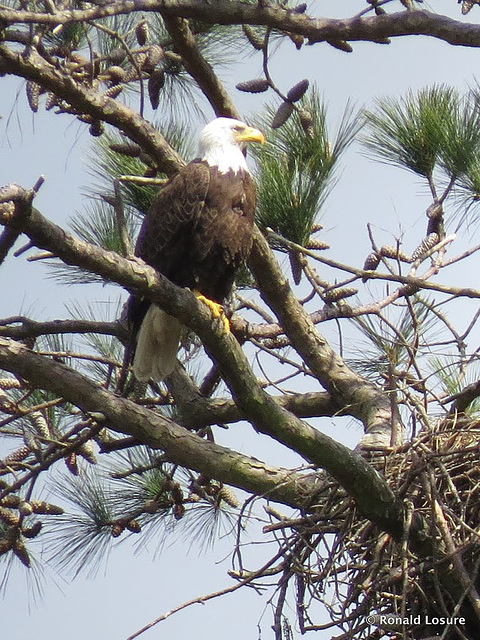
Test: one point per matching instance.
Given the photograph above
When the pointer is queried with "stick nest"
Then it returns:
(360, 573)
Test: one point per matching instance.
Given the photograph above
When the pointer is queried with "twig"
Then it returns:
(121, 221)
(205, 598)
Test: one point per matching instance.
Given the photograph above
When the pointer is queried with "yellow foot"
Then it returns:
(216, 311)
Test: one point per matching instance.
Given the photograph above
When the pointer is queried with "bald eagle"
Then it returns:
(197, 232)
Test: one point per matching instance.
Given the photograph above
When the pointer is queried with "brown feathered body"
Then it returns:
(199, 228)
(197, 232)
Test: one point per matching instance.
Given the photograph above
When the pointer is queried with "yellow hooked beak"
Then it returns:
(249, 134)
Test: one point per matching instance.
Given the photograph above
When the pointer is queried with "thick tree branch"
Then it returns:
(21, 327)
(371, 28)
(91, 102)
(186, 46)
(372, 495)
(196, 411)
(347, 388)
(157, 431)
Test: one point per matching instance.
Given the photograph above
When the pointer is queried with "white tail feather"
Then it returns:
(157, 345)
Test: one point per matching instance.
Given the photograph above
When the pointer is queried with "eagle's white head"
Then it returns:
(222, 142)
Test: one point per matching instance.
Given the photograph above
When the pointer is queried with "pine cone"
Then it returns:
(155, 84)
(113, 92)
(254, 39)
(41, 425)
(141, 32)
(126, 148)
(117, 56)
(371, 261)
(86, 450)
(389, 251)
(283, 113)
(10, 383)
(409, 290)
(96, 128)
(298, 90)
(155, 55)
(306, 122)
(296, 264)
(32, 89)
(427, 243)
(18, 455)
(133, 526)
(319, 245)
(178, 511)
(467, 5)
(10, 518)
(150, 506)
(20, 550)
(50, 101)
(227, 495)
(116, 74)
(256, 85)
(33, 531)
(117, 529)
(296, 38)
(45, 508)
(11, 501)
(339, 294)
(25, 508)
(5, 545)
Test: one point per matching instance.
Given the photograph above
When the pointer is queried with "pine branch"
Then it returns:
(360, 480)
(88, 101)
(201, 71)
(157, 431)
(197, 412)
(27, 328)
(347, 388)
(227, 12)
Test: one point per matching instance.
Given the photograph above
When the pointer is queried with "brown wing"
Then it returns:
(234, 230)
(167, 227)
(223, 232)
(165, 236)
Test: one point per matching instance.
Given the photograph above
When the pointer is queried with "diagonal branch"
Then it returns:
(374, 498)
(156, 430)
(91, 102)
(201, 71)
(364, 401)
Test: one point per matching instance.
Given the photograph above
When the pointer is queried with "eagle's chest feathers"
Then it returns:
(225, 226)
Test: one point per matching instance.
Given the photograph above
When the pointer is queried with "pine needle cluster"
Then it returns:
(296, 170)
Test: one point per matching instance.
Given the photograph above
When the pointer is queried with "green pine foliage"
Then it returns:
(393, 343)
(108, 164)
(107, 347)
(409, 132)
(136, 488)
(72, 36)
(97, 225)
(295, 171)
(434, 128)
(82, 538)
(453, 376)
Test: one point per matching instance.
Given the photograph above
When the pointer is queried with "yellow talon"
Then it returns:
(216, 310)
